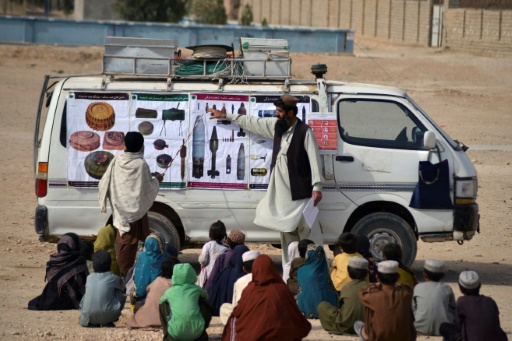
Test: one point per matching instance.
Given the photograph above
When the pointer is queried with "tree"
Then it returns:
(264, 22)
(247, 16)
(151, 10)
(210, 12)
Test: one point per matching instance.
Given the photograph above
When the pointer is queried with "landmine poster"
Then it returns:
(163, 119)
(218, 156)
(325, 127)
(260, 148)
(95, 128)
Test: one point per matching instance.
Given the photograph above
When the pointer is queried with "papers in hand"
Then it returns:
(310, 212)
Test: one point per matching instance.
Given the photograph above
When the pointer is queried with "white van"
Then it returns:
(218, 171)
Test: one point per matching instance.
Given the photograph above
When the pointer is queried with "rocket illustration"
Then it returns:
(183, 155)
(304, 114)
(223, 110)
(240, 163)
(214, 146)
(241, 111)
(198, 145)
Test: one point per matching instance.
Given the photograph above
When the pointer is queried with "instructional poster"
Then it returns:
(260, 147)
(163, 120)
(219, 149)
(95, 128)
(325, 127)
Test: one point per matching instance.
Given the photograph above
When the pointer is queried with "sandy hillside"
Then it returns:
(468, 96)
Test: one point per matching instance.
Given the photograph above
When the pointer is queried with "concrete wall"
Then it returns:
(89, 32)
(482, 31)
(405, 21)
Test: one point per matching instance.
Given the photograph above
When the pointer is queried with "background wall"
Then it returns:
(405, 21)
(476, 30)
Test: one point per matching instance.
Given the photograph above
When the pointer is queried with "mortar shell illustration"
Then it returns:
(240, 163)
(214, 146)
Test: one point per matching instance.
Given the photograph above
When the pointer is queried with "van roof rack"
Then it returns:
(269, 59)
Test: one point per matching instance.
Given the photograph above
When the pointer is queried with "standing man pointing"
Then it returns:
(296, 173)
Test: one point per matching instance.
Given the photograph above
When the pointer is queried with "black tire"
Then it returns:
(382, 228)
(160, 223)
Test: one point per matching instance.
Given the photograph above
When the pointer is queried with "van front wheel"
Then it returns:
(383, 228)
(160, 223)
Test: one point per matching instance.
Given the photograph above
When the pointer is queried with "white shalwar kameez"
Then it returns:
(277, 210)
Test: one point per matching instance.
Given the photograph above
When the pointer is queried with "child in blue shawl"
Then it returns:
(315, 284)
(149, 264)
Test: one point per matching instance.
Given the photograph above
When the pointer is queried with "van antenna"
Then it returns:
(373, 60)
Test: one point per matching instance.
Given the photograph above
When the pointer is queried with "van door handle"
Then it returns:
(344, 158)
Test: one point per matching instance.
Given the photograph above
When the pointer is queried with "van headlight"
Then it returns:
(466, 190)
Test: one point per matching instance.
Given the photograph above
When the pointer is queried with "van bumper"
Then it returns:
(466, 221)
(41, 220)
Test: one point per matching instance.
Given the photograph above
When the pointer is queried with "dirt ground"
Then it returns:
(469, 96)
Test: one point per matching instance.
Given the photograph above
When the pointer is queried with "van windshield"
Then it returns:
(447, 137)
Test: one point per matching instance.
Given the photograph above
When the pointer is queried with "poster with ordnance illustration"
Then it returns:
(260, 149)
(163, 120)
(95, 128)
(325, 127)
(219, 149)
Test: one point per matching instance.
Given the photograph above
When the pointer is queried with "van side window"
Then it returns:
(314, 106)
(381, 124)
(63, 126)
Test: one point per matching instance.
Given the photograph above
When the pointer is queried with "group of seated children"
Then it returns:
(352, 296)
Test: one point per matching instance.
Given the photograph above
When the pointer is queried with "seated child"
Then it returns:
(66, 273)
(348, 246)
(394, 252)
(315, 284)
(211, 250)
(227, 308)
(340, 319)
(296, 263)
(148, 315)
(363, 248)
(433, 301)
(86, 250)
(477, 316)
(187, 321)
(106, 240)
(235, 238)
(388, 307)
(104, 297)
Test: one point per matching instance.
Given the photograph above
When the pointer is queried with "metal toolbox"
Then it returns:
(266, 57)
(138, 56)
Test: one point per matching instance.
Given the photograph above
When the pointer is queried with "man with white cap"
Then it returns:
(296, 172)
(227, 308)
(433, 301)
(477, 316)
(340, 319)
(388, 307)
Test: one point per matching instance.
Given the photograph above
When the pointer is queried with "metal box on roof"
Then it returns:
(138, 56)
(266, 57)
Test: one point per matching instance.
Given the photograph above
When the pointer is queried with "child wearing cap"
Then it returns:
(477, 316)
(348, 245)
(227, 308)
(235, 238)
(340, 320)
(433, 301)
(104, 297)
(388, 307)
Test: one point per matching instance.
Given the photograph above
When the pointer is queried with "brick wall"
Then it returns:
(482, 31)
(405, 21)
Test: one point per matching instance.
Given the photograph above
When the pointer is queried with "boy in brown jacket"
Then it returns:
(388, 308)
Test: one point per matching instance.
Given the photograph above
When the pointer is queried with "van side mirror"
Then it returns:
(429, 140)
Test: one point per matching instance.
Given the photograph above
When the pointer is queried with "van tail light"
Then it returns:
(42, 179)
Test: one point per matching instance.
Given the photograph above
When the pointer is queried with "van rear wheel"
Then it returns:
(160, 223)
(383, 228)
